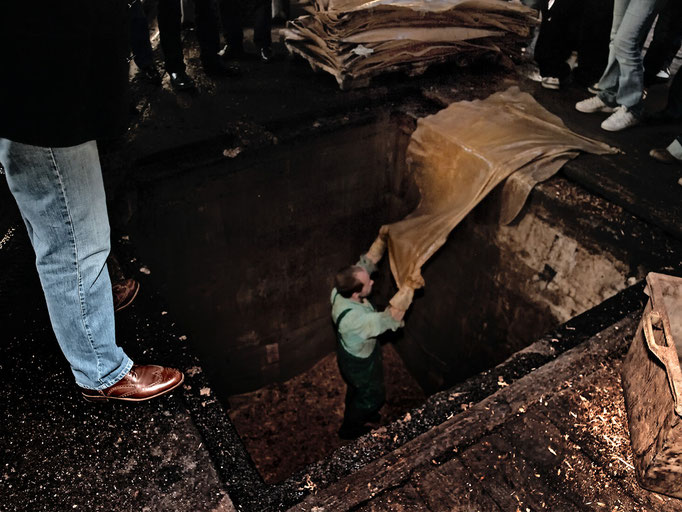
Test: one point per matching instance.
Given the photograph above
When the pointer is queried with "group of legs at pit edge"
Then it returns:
(600, 44)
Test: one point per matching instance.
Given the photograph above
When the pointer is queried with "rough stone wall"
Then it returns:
(492, 290)
(245, 250)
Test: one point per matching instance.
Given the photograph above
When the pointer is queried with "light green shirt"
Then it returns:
(362, 324)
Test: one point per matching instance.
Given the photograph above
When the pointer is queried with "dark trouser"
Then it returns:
(674, 107)
(170, 27)
(593, 41)
(667, 39)
(139, 35)
(365, 394)
(558, 36)
(574, 25)
(232, 15)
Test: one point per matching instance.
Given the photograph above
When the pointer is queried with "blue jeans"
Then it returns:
(623, 80)
(61, 198)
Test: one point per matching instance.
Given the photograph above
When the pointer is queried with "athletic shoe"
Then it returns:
(551, 82)
(621, 119)
(592, 105)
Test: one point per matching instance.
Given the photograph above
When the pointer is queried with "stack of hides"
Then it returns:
(355, 40)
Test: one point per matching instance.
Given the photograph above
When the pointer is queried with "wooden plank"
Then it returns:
(563, 468)
(452, 488)
(465, 428)
(404, 499)
(513, 481)
(591, 416)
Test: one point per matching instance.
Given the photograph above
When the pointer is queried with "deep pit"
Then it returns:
(245, 260)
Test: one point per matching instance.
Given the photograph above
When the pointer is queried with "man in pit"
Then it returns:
(357, 326)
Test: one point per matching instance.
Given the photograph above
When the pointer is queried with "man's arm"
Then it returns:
(369, 324)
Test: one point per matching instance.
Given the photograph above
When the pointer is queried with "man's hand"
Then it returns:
(377, 250)
(396, 313)
(402, 299)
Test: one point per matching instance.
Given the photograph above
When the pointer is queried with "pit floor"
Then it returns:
(61, 454)
(273, 419)
(556, 439)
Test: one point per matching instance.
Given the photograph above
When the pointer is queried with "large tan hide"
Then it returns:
(356, 40)
(461, 153)
(652, 383)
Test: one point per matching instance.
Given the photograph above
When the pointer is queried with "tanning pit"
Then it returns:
(243, 246)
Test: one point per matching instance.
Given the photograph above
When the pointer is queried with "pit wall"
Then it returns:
(492, 290)
(244, 249)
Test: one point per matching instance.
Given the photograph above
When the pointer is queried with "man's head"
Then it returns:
(353, 282)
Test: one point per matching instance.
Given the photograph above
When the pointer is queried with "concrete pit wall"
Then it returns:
(244, 251)
(492, 290)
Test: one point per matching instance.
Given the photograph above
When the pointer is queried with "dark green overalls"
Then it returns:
(364, 377)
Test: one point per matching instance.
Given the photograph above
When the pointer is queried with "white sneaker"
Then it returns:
(592, 105)
(551, 82)
(621, 119)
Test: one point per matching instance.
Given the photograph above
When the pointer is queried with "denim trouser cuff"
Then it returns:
(110, 381)
(675, 149)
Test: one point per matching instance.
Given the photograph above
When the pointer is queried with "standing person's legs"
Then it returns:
(231, 17)
(170, 26)
(208, 30)
(608, 83)
(674, 106)
(557, 38)
(60, 194)
(666, 40)
(139, 35)
(262, 27)
(593, 41)
(627, 46)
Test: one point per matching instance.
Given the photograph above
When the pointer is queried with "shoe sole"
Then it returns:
(662, 160)
(130, 300)
(553, 87)
(608, 129)
(100, 398)
(602, 110)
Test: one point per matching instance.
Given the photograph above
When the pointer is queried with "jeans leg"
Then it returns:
(60, 194)
(627, 45)
(675, 147)
(608, 83)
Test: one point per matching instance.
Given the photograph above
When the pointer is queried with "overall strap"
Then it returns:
(338, 321)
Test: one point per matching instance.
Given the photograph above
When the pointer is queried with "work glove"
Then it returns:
(378, 248)
(403, 298)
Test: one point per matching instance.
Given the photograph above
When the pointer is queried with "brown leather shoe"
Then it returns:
(124, 293)
(142, 382)
(663, 156)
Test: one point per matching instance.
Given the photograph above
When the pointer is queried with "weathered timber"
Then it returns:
(465, 428)
(451, 487)
(599, 437)
(566, 472)
(511, 480)
(404, 499)
(652, 382)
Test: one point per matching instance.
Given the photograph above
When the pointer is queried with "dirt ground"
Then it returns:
(289, 425)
